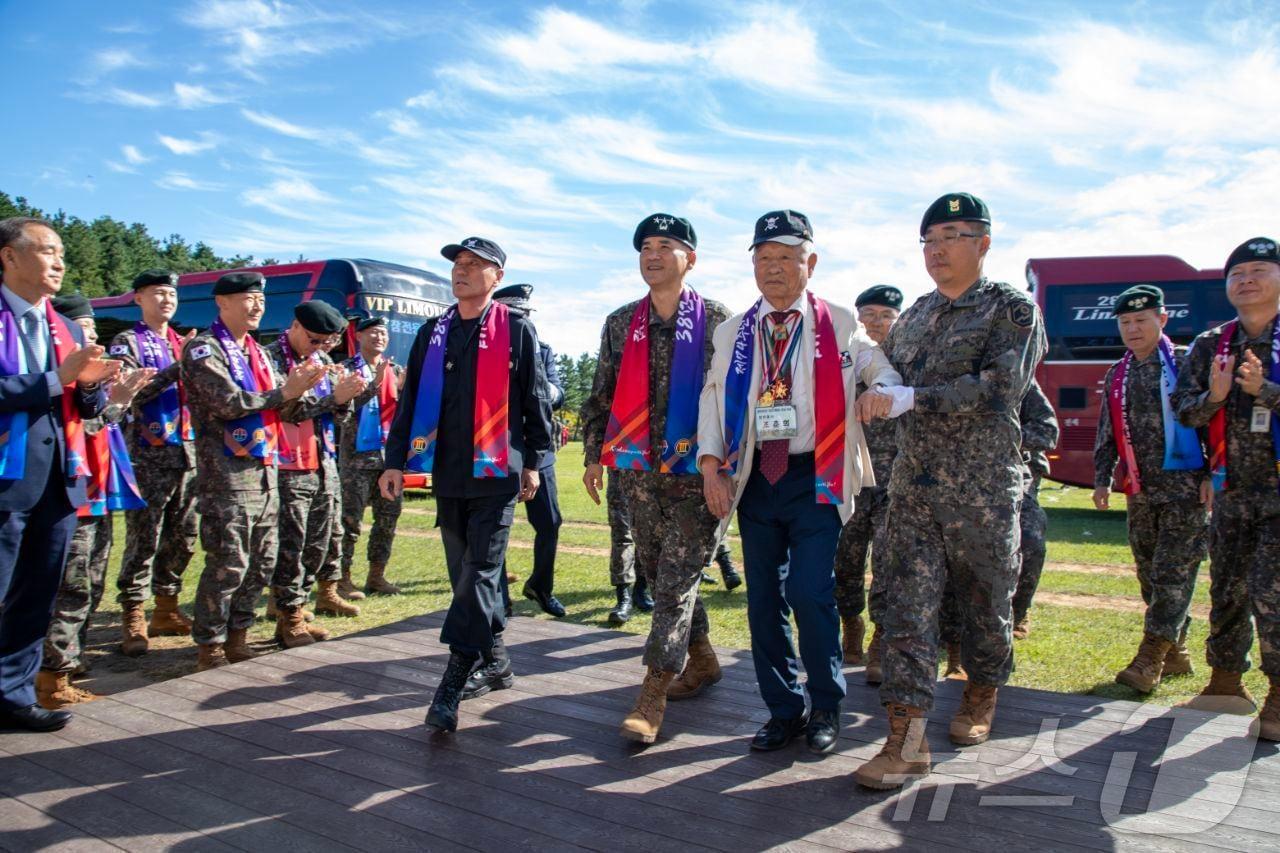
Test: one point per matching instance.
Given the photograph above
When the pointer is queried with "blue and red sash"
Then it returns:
(374, 421)
(254, 434)
(626, 438)
(111, 484)
(1218, 423)
(297, 443)
(490, 440)
(166, 419)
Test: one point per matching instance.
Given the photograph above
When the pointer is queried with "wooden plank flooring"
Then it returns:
(323, 748)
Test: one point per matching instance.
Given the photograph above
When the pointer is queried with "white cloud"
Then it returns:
(281, 126)
(110, 60)
(190, 97)
(183, 181)
(187, 147)
(128, 98)
(132, 155)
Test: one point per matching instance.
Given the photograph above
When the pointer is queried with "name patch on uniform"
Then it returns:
(202, 351)
(119, 349)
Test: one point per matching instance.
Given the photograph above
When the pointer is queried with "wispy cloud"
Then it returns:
(183, 181)
(281, 126)
(132, 155)
(190, 97)
(187, 147)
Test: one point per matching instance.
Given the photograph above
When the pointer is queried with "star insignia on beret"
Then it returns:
(1262, 247)
(663, 222)
(771, 223)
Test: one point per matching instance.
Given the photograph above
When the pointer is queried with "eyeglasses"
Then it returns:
(947, 240)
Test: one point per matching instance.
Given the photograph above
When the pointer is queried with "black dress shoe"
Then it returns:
(823, 731)
(34, 719)
(777, 733)
(548, 602)
(495, 675)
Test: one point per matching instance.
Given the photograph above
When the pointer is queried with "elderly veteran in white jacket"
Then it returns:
(779, 440)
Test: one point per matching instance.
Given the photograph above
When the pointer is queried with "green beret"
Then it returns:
(73, 306)
(239, 282)
(955, 207)
(369, 322)
(319, 317)
(155, 276)
(1256, 249)
(1140, 297)
(880, 294)
(665, 225)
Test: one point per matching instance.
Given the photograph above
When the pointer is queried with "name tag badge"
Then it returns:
(1261, 420)
(778, 421)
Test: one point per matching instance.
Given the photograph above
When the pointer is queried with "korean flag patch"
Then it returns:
(120, 349)
(202, 351)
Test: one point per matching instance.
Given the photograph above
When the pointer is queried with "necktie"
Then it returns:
(773, 452)
(31, 327)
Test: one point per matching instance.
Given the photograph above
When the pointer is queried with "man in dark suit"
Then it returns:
(483, 448)
(43, 359)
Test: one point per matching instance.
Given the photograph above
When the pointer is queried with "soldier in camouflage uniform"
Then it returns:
(161, 537)
(679, 532)
(236, 453)
(878, 308)
(631, 586)
(969, 349)
(308, 478)
(1039, 427)
(1230, 384)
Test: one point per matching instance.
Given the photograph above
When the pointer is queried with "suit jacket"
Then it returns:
(46, 440)
(865, 362)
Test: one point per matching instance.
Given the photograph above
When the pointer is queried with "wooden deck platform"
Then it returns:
(323, 748)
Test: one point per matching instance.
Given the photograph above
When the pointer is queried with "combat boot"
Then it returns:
(330, 603)
(443, 713)
(237, 646)
(494, 674)
(54, 691)
(316, 630)
(1178, 660)
(291, 629)
(645, 719)
(622, 611)
(972, 723)
(167, 620)
(133, 629)
(728, 573)
(273, 612)
(640, 597)
(874, 674)
(701, 670)
(211, 656)
(1022, 627)
(852, 630)
(1269, 719)
(905, 754)
(347, 589)
(955, 669)
(1224, 694)
(377, 582)
(1143, 672)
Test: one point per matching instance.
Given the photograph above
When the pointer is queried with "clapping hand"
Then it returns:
(1220, 378)
(348, 386)
(128, 384)
(1249, 375)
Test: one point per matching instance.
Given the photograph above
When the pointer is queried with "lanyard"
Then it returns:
(772, 371)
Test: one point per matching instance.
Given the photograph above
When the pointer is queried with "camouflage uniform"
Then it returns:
(956, 482)
(238, 496)
(160, 539)
(864, 530)
(1168, 526)
(670, 508)
(1039, 427)
(622, 547)
(1244, 535)
(359, 472)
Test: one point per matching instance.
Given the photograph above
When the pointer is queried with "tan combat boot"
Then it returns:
(852, 630)
(645, 719)
(273, 612)
(1178, 660)
(905, 754)
(347, 589)
(1224, 694)
(316, 630)
(211, 656)
(54, 691)
(330, 603)
(291, 628)
(1269, 719)
(167, 620)
(700, 671)
(874, 673)
(133, 630)
(377, 582)
(972, 723)
(1022, 628)
(237, 646)
(1143, 672)
(955, 669)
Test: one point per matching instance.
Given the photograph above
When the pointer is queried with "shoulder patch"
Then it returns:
(1022, 314)
(846, 359)
(201, 351)
(119, 349)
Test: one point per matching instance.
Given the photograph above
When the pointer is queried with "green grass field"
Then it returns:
(1072, 648)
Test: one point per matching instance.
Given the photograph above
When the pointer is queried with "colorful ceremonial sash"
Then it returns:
(1181, 444)
(165, 419)
(374, 422)
(13, 425)
(490, 441)
(255, 434)
(1218, 423)
(111, 484)
(297, 442)
(626, 438)
(828, 404)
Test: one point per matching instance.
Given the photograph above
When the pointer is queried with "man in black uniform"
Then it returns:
(483, 444)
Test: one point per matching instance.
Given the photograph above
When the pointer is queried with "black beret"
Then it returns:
(369, 322)
(665, 225)
(155, 276)
(478, 246)
(73, 306)
(955, 207)
(239, 282)
(1140, 297)
(517, 296)
(319, 317)
(790, 227)
(1255, 249)
(880, 294)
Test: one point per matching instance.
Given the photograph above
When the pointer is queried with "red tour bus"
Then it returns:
(1076, 296)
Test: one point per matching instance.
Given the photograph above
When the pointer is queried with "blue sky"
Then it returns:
(334, 128)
